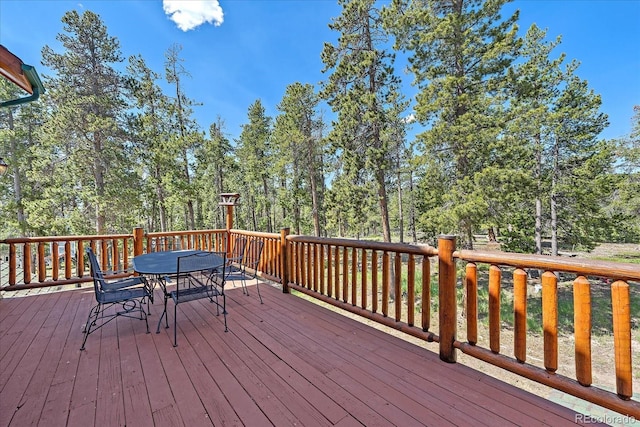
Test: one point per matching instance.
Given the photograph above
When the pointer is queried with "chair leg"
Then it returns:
(175, 325)
(164, 314)
(142, 313)
(258, 289)
(90, 322)
(224, 311)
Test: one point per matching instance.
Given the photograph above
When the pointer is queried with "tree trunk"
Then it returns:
(538, 174)
(412, 210)
(554, 212)
(17, 184)
(400, 211)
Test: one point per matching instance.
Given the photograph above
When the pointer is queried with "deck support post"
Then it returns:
(138, 241)
(284, 259)
(447, 298)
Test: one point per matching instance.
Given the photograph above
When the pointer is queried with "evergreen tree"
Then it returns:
(459, 51)
(299, 152)
(624, 209)
(186, 137)
(150, 134)
(19, 126)
(359, 91)
(580, 165)
(216, 165)
(84, 145)
(536, 82)
(254, 154)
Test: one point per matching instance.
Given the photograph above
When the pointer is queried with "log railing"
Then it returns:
(398, 285)
(367, 278)
(582, 274)
(35, 262)
(379, 281)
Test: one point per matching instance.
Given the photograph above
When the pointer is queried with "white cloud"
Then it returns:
(189, 14)
(410, 118)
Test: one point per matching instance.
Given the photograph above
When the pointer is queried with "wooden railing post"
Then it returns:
(138, 238)
(284, 259)
(447, 297)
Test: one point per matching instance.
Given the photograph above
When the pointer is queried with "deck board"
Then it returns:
(285, 362)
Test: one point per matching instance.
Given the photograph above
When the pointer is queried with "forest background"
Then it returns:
(510, 150)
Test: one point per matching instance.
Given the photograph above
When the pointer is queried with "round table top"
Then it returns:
(161, 263)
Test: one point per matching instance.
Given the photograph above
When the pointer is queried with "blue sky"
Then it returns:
(240, 50)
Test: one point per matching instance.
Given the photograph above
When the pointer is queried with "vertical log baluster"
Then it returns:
(520, 315)
(67, 260)
(495, 276)
(12, 264)
(582, 327)
(354, 276)
(125, 254)
(80, 260)
(104, 255)
(329, 272)
(385, 283)
(310, 284)
(426, 293)
(345, 274)
(550, 320)
(42, 266)
(622, 338)
(471, 285)
(27, 264)
(363, 273)
(321, 268)
(55, 261)
(115, 255)
(336, 271)
(374, 281)
(411, 290)
(397, 286)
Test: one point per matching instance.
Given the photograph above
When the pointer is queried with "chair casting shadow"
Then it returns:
(130, 293)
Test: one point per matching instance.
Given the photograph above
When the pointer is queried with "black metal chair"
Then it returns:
(249, 265)
(200, 275)
(130, 293)
(234, 261)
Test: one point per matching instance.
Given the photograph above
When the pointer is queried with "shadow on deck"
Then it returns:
(286, 362)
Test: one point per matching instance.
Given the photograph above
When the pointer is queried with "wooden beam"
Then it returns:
(11, 68)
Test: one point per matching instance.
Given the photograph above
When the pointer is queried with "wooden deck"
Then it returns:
(286, 362)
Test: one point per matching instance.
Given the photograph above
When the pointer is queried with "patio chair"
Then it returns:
(249, 265)
(234, 261)
(200, 275)
(130, 293)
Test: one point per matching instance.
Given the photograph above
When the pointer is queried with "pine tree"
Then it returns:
(299, 154)
(85, 145)
(254, 155)
(459, 51)
(359, 90)
(150, 132)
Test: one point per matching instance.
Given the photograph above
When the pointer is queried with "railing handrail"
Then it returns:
(183, 233)
(614, 270)
(38, 239)
(416, 249)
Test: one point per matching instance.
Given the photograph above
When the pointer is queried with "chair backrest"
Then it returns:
(237, 253)
(252, 254)
(96, 272)
(203, 262)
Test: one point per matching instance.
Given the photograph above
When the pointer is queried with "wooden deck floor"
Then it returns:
(286, 362)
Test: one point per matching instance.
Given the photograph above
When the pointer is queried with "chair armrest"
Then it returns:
(128, 282)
